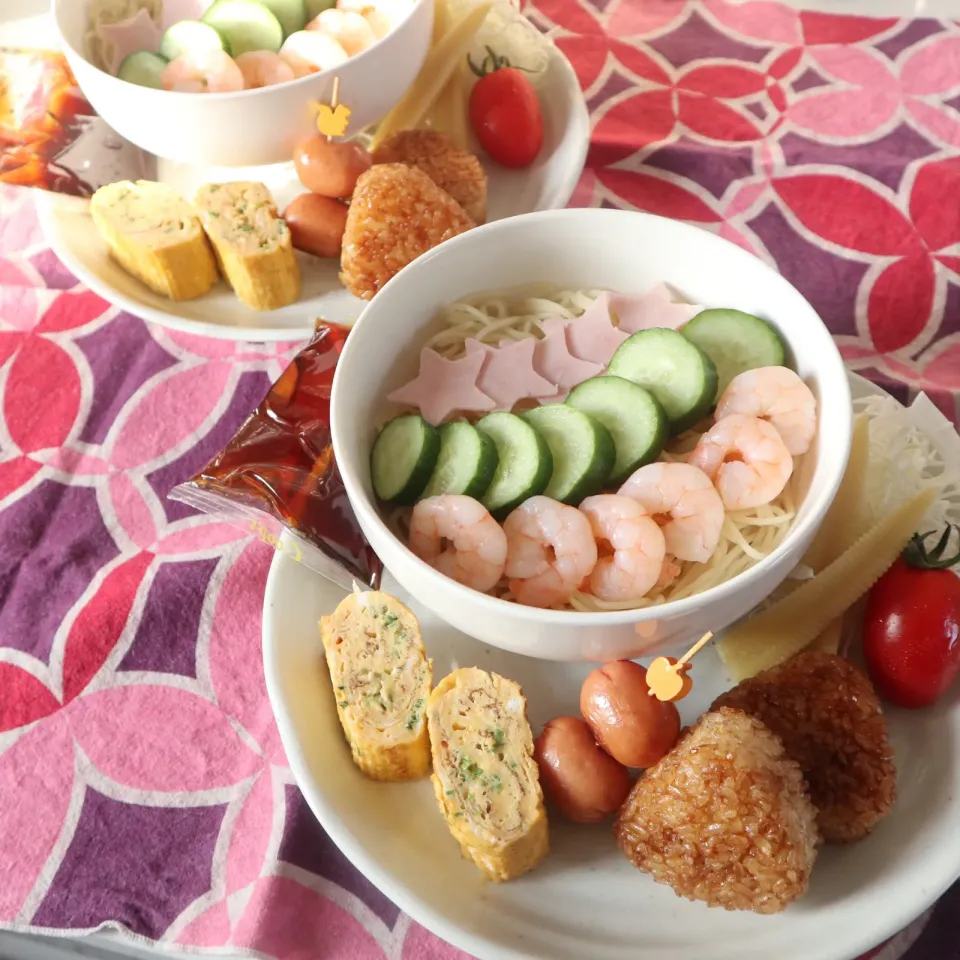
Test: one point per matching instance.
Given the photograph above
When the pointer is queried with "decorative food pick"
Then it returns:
(333, 118)
(667, 678)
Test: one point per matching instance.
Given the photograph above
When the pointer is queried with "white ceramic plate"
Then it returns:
(547, 185)
(586, 900)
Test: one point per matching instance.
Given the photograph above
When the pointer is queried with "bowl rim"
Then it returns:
(236, 94)
(368, 515)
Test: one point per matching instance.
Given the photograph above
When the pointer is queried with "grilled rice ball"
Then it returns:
(449, 167)
(396, 214)
(724, 818)
(827, 714)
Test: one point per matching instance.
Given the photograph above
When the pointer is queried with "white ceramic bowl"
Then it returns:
(621, 251)
(251, 127)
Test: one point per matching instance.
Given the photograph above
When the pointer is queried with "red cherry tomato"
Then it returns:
(505, 113)
(911, 630)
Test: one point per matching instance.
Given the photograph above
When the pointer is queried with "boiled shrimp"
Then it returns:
(261, 68)
(550, 551)
(381, 16)
(684, 503)
(746, 459)
(310, 51)
(205, 71)
(457, 536)
(630, 545)
(380, 22)
(779, 396)
(351, 30)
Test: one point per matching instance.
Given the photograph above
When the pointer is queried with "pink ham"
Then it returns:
(444, 387)
(176, 10)
(654, 309)
(136, 33)
(554, 362)
(507, 375)
(591, 336)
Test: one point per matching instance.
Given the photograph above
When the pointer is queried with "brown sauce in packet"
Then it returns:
(278, 476)
(50, 136)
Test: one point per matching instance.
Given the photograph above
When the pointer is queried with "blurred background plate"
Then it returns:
(546, 185)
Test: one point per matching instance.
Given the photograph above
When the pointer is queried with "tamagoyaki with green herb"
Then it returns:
(381, 680)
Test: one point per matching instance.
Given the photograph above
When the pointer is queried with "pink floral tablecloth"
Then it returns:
(142, 781)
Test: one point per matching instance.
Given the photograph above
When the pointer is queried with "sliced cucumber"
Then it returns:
(316, 7)
(191, 36)
(245, 25)
(524, 462)
(404, 455)
(292, 14)
(676, 371)
(632, 415)
(735, 341)
(466, 464)
(143, 68)
(582, 449)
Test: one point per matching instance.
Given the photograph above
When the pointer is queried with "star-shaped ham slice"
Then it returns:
(655, 308)
(507, 375)
(176, 10)
(138, 32)
(591, 336)
(443, 387)
(553, 360)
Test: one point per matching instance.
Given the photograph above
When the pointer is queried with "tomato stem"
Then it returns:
(918, 555)
(492, 62)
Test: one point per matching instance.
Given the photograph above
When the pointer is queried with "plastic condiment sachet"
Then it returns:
(50, 136)
(278, 479)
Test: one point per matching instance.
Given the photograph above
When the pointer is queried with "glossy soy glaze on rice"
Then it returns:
(725, 818)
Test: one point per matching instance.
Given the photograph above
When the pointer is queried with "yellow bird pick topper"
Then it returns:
(333, 121)
(334, 117)
(667, 678)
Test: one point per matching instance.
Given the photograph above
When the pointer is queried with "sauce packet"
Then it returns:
(278, 478)
(50, 136)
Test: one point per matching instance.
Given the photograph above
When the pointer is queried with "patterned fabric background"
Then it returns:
(142, 781)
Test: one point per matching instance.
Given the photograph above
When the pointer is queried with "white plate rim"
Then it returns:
(575, 139)
(862, 940)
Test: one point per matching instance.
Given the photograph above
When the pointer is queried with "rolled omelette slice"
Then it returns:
(156, 236)
(485, 778)
(381, 680)
(252, 243)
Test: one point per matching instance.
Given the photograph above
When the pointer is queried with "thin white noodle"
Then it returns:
(494, 317)
(747, 536)
(731, 533)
